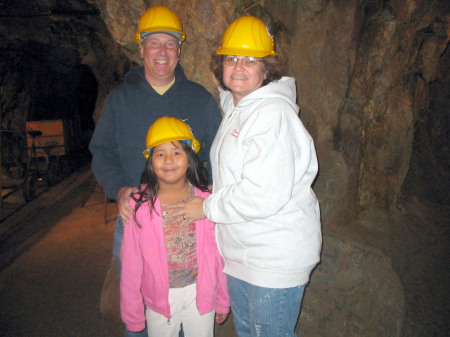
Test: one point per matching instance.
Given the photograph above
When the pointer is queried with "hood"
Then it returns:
(284, 89)
(135, 75)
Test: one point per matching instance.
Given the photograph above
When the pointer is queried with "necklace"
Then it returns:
(187, 186)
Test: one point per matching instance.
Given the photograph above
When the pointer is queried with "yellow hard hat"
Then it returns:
(169, 129)
(247, 36)
(159, 19)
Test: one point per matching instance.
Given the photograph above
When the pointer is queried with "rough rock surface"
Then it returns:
(372, 80)
(364, 71)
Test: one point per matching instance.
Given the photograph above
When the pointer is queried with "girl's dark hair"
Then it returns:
(272, 68)
(196, 174)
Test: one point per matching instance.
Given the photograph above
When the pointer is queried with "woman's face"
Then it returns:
(243, 77)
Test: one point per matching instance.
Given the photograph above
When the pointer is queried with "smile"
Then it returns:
(238, 77)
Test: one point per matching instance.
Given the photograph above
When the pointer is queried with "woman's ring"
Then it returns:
(184, 218)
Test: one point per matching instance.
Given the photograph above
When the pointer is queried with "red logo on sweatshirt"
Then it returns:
(235, 133)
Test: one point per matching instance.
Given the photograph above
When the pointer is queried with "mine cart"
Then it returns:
(48, 144)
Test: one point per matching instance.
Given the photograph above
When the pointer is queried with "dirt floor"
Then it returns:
(53, 265)
(421, 257)
(54, 255)
(53, 289)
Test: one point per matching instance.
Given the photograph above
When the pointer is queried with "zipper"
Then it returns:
(223, 131)
(231, 115)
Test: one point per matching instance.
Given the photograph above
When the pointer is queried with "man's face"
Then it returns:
(160, 53)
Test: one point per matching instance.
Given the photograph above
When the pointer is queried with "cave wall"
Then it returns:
(371, 86)
(372, 83)
(56, 58)
(429, 172)
(369, 76)
(362, 72)
(365, 71)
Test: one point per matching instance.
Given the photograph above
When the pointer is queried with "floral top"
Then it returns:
(181, 251)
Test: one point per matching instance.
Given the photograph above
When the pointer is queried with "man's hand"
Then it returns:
(123, 197)
(220, 318)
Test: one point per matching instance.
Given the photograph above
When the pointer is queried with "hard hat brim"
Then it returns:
(244, 52)
(179, 36)
(195, 145)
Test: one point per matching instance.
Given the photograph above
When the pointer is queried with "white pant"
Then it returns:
(184, 310)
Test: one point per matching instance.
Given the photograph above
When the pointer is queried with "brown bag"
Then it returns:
(110, 295)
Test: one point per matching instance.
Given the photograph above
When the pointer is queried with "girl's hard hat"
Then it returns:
(169, 129)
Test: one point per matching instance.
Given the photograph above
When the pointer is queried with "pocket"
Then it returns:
(231, 248)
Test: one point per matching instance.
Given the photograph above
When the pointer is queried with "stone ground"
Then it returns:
(51, 278)
(421, 257)
(53, 288)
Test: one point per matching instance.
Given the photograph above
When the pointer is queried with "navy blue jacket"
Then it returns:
(119, 136)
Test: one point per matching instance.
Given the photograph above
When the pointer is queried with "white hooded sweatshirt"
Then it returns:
(263, 164)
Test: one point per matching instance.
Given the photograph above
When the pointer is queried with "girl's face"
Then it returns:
(170, 163)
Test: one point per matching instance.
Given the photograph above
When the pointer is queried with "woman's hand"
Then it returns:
(186, 211)
(220, 318)
(123, 197)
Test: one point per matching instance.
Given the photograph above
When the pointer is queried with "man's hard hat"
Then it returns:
(159, 19)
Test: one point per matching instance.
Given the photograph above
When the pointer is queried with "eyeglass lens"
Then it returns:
(246, 61)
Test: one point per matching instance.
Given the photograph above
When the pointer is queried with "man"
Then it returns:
(159, 88)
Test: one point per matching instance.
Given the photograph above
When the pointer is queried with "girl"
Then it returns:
(171, 274)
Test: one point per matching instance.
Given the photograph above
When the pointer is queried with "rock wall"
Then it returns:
(372, 78)
(365, 71)
(53, 54)
(354, 292)
(362, 70)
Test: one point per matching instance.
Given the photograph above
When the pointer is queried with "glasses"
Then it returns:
(249, 61)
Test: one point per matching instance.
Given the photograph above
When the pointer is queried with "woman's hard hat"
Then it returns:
(169, 129)
(159, 19)
(247, 36)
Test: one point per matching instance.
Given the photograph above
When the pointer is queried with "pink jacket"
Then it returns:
(145, 275)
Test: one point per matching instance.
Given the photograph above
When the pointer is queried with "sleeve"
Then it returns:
(277, 152)
(223, 297)
(131, 300)
(106, 163)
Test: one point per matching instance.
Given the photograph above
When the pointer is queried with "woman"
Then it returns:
(263, 162)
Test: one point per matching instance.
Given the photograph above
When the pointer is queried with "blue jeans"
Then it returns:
(117, 244)
(264, 312)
